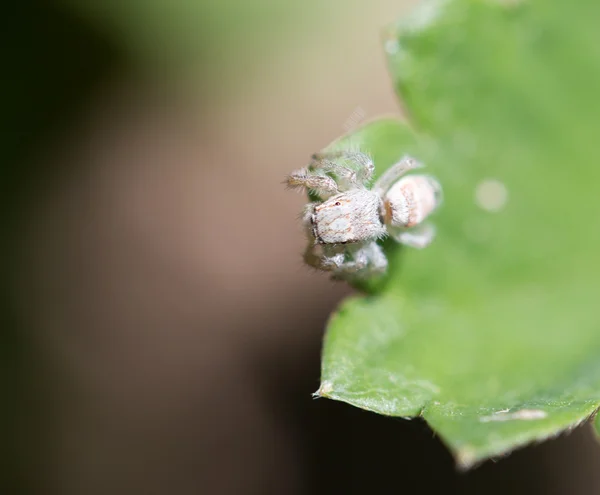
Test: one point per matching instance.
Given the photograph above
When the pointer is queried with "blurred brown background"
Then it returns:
(160, 332)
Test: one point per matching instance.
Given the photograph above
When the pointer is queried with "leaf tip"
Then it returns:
(324, 390)
(596, 425)
(466, 458)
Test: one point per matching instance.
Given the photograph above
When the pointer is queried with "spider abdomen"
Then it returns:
(410, 200)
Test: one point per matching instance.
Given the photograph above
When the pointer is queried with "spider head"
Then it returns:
(352, 216)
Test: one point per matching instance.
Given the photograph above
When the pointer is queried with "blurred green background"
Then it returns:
(160, 334)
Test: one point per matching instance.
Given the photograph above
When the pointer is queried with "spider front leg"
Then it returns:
(320, 183)
(358, 175)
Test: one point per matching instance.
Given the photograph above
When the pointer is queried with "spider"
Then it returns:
(347, 219)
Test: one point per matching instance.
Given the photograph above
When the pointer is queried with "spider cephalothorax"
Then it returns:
(348, 218)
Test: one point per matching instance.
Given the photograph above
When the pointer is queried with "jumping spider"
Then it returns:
(347, 219)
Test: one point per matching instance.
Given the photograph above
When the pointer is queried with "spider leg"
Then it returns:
(311, 257)
(392, 174)
(418, 237)
(323, 257)
(364, 261)
(358, 175)
(322, 184)
(351, 261)
(307, 222)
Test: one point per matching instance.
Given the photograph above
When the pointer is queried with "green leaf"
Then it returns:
(492, 333)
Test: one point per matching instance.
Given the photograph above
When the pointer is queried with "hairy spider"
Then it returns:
(348, 218)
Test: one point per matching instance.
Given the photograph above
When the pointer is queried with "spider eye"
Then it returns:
(337, 203)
